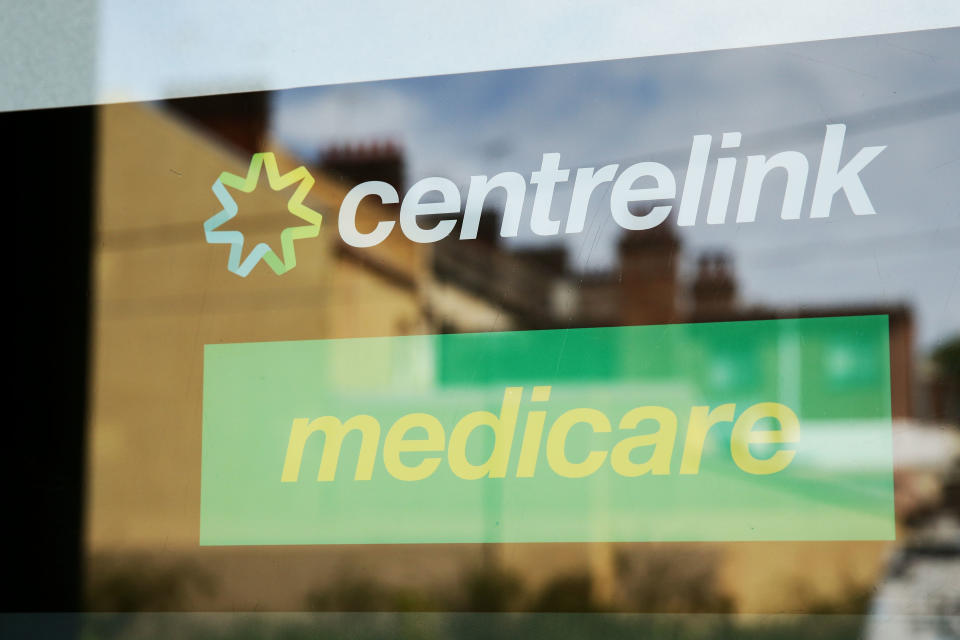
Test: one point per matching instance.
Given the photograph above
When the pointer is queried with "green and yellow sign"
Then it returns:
(762, 430)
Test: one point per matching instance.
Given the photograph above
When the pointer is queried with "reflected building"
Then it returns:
(163, 293)
(644, 287)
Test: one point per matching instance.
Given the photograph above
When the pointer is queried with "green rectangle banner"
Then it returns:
(760, 430)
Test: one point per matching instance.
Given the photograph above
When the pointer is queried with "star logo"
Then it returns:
(235, 262)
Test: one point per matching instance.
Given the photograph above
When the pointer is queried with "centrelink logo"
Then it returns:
(638, 197)
(236, 263)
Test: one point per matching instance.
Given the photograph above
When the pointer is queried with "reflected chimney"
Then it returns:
(715, 288)
(356, 163)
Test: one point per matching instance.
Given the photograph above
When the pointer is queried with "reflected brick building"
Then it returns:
(482, 285)
(644, 287)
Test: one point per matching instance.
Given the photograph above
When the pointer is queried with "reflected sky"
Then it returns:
(900, 90)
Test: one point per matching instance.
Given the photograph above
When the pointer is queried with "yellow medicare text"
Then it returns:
(413, 446)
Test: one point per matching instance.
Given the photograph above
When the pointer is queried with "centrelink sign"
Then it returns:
(630, 187)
